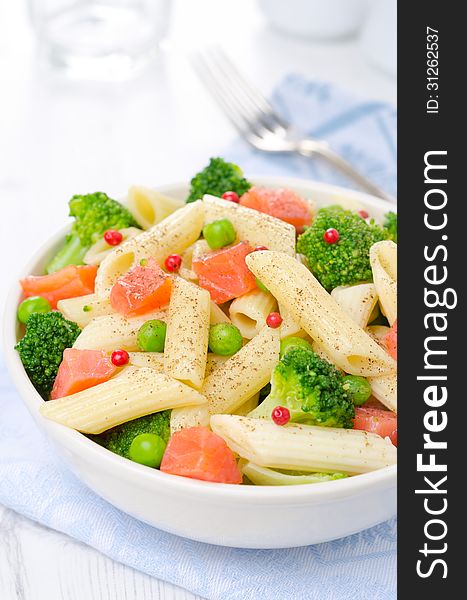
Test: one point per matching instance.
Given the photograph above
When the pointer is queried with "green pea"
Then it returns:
(147, 449)
(219, 233)
(33, 304)
(293, 342)
(225, 339)
(261, 285)
(358, 388)
(151, 336)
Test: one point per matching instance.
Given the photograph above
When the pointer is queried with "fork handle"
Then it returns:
(336, 160)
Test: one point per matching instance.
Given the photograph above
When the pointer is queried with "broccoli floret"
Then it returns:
(218, 177)
(41, 349)
(119, 438)
(94, 214)
(346, 261)
(390, 224)
(311, 388)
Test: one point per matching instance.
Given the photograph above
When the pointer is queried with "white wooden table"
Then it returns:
(58, 138)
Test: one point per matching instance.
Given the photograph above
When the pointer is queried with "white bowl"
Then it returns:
(228, 515)
(315, 19)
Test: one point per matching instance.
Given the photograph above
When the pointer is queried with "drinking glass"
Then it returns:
(100, 39)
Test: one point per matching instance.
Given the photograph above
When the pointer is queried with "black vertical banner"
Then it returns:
(432, 196)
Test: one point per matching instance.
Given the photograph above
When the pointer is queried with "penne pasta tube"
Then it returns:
(187, 258)
(248, 406)
(304, 447)
(172, 235)
(98, 251)
(378, 332)
(83, 309)
(250, 225)
(243, 374)
(114, 331)
(358, 301)
(199, 248)
(189, 416)
(214, 361)
(185, 270)
(186, 342)
(150, 207)
(384, 389)
(289, 326)
(321, 353)
(296, 288)
(187, 274)
(192, 253)
(153, 360)
(133, 394)
(217, 315)
(249, 312)
(265, 476)
(383, 259)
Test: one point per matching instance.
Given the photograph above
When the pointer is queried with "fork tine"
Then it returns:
(257, 122)
(249, 92)
(243, 119)
(206, 76)
(209, 79)
(232, 90)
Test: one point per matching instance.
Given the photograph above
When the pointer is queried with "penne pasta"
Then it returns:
(383, 259)
(213, 362)
(250, 225)
(192, 253)
(249, 312)
(187, 274)
(150, 207)
(153, 360)
(321, 353)
(378, 332)
(186, 271)
(187, 257)
(98, 251)
(243, 374)
(186, 343)
(304, 447)
(83, 309)
(296, 288)
(384, 389)
(199, 248)
(114, 332)
(133, 394)
(289, 326)
(189, 416)
(248, 406)
(265, 476)
(217, 315)
(261, 397)
(172, 235)
(358, 301)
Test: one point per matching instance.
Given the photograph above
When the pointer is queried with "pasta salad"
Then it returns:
(244, 335)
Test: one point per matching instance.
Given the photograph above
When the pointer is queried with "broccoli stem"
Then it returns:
(72, 253)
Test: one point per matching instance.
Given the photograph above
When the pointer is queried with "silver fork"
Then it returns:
(257, 121)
